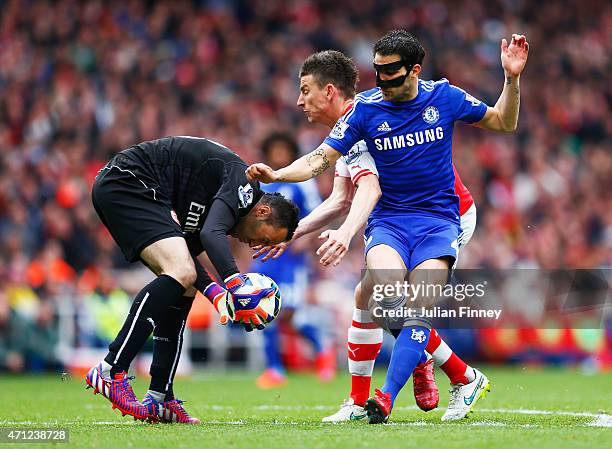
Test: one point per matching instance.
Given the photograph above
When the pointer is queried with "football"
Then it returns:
(271, 303)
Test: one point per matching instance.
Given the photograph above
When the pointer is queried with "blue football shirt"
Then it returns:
(411, 143)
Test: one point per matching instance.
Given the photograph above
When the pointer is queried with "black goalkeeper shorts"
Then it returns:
(134, 210)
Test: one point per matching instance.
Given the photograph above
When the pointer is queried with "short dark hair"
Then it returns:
(285, 213)
(332, 67)
(282, 138)
(400, 42)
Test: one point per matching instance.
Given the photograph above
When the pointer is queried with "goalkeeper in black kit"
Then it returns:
(170, 203)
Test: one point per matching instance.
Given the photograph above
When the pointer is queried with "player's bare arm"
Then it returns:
(309, 166)
(317, 161)
(335, 206)
(504, 115)
(367, 195)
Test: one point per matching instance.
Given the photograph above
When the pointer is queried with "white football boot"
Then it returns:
(463, 398)
(348, 412)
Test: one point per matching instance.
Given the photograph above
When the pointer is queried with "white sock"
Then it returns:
(106, 368)
(364, 343)
(159, 397)
(470, 374)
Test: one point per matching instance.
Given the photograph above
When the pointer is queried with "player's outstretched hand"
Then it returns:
(514, 56)
(335, 247)
(260, 172)
(272, 251)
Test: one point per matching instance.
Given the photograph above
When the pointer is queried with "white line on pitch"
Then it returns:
(599, 419)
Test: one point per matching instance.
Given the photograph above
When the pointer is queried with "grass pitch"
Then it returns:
(526, 408)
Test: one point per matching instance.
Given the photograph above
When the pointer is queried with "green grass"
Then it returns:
(238, 415)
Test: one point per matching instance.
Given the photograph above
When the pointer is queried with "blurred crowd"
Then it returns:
(81, 80)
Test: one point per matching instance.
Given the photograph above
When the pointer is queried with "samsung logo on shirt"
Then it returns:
(410, 139)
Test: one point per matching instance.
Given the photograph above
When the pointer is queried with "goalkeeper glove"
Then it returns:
(217, 295)
(246, 302)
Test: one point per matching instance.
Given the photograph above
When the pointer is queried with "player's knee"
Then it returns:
(188, 276)
(185, 274)
(361, 297)
(383, 280)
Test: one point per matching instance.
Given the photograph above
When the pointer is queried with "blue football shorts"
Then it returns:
(415, 237)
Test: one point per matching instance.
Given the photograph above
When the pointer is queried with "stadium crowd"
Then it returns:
(80, 81)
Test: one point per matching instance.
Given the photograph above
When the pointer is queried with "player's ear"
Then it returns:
(329, 91)
(416, 69)
(263, 211)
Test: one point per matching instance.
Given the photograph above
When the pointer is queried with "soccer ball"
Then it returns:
(271, 303)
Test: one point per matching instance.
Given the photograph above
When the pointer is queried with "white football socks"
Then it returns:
(106, 369)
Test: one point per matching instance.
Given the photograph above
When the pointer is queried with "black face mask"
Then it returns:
(390, 69)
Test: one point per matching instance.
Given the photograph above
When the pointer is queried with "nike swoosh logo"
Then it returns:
(468, 400)
(354, 417)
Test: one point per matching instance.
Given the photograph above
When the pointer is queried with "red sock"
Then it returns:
(456, 369)
(364, 343)
(360, 389)
(434, 342)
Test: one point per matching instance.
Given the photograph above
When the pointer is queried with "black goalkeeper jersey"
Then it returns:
(193, 172)
(207, 187)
